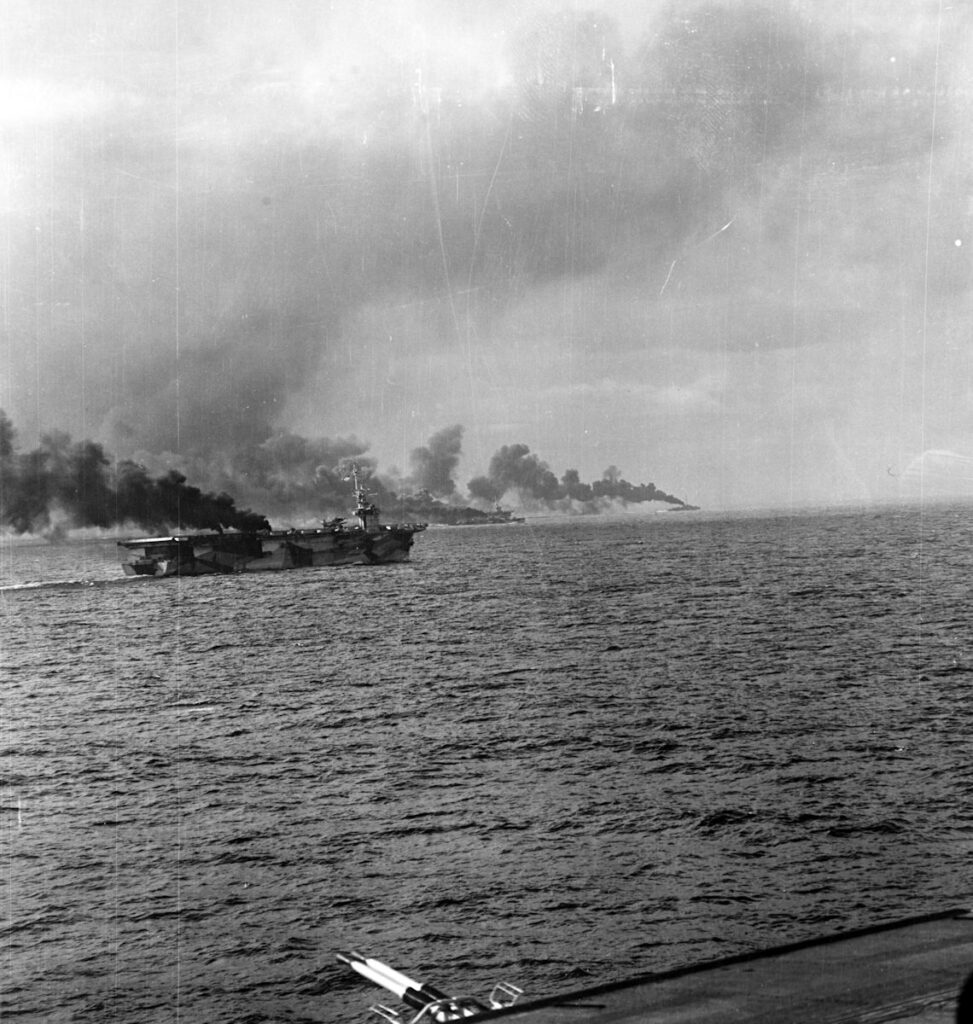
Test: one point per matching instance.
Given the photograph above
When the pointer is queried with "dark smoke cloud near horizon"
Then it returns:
(63, 484)
(435, 463)
(646, 232)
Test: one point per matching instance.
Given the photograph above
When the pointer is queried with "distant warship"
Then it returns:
(430, 510)
(366, 542)
(498, 516)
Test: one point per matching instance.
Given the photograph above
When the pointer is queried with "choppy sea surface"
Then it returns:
(555, 754)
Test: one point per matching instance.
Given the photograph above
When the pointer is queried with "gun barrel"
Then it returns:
(414, 993)
(375, 977)
(398, 978)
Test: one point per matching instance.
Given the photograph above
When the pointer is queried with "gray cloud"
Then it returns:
(202, 209)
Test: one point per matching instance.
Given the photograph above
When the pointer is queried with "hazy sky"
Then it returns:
(725, 246)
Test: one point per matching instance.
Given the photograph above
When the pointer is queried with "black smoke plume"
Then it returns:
(433, 464)
(80, 481)
(63, 482)
(515, 468)
(289, 476)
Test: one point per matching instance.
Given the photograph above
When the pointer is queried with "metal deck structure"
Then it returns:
(910, 971)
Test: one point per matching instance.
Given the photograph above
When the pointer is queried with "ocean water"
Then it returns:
(554, 754)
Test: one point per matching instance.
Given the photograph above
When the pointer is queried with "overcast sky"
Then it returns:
(724, 246)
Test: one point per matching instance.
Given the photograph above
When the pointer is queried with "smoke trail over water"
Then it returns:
(63, 484)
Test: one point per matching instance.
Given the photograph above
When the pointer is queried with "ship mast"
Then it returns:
(364, 509)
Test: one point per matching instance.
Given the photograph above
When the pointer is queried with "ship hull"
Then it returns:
(274, 551)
